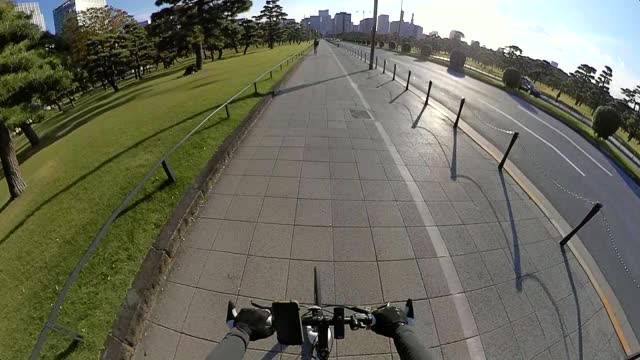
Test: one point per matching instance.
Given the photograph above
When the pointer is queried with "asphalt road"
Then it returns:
(561, 154)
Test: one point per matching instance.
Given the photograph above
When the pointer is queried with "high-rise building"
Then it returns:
(366, 25)
(71, 8)
(406, 29)
(342, 23)
(315, 23)
(383, 24)
(33, 9)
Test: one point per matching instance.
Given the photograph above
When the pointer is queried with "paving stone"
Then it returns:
(457, 239)
(499, 265)
(312, 243)
(367, 156)
(501, 344)
(216, 206)
(371, 171)
(422, 242)
(291, 153)
(564, 350)
(415, 214)
(439, 276)
(346, 190)
(236, 167)
(287, 168)
(315, 189)
(545, 254)
(190, 348)
(469, 213)
(278, 211)
(300, 283)
(443, 213)
(206, 316)
(252, 185)
(472, 272)
(157, 343)
(222, 272)
(453, 317)
(272, 240)
(551, 323)
(357, 283)
(470, 349)
(343, 170)
(515, 301)
(263, 278)
(316, 154)
(315, 170)
(384, 213)
(342, 155)
(431, 191)
(227, 184)
(454, 192)
(271, 141)
(187, 265)
(529, 335)
(420, 173)
(377, 190)
(362, 343)
(545, 355)
(401, 280)
(349, 213)
(406, 191)
(202, 233)
(485, 237)
(283, 187)
(244, 208)
(392, 243)
(172, 305)
(487, 309)
(234, 236)
(397, 172)
(353, 244)
(294, 141)
(260, 167)
(313, 212)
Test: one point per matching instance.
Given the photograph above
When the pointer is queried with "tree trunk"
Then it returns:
(114, 85)
(236, 49)
(31, 134)
(10, 165)
(71, 100)
(59, 106)
(219, 54)
(246, 47)
(197, 49)
(213, 55)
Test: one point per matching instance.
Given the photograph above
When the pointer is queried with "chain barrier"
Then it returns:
(612, 240)
(508, 132)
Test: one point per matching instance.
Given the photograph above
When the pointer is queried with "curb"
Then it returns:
(128, 326)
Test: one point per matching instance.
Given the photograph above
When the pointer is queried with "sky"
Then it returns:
(570, 32)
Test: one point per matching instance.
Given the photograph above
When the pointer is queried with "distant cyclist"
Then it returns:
(316, 42)
(251, 325)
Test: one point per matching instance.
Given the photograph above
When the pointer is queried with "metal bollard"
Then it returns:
(506, 154)
(376, 62)
(226, 107)
(408, 81)
(384, 66)
(167, 170)
(426, 102)
(395, 66)
(455, 124)
(255, 88)
(594, 210)
(271, 74)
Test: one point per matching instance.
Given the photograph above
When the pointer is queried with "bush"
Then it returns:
(457, 58)
(425, 51)
(392, 45)
(381, 44)
(406, 48)
(511, 78)
(606, 121)
(368, 42)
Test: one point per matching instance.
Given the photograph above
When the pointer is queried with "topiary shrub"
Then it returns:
(457, 58)
(425, 51)
(511, 78)
(381, 44)
(392, 45)
(606, 121)
(368, 42)
(406, 48)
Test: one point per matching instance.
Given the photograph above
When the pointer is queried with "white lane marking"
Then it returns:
(568, 139)
(536, 135)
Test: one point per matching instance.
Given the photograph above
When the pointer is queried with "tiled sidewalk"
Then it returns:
(335, 178)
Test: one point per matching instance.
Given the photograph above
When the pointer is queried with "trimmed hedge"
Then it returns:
(511, 78)
(392, 45)
(606, 121)
(425, 51)
(457, 58)
(406, 48)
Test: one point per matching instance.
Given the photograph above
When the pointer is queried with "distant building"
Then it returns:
(433, 33)
(289, 21)
(456, 35)
(554, 64)
(323, 12)
(342, 23)
(406, 29)
(383, 24)
(366, 25)
(355, 27)
(71, 8)
(315, 23)
(33, 9)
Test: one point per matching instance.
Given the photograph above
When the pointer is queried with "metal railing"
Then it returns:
(51, 323)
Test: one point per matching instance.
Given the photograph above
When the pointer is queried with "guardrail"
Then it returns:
(51, 324)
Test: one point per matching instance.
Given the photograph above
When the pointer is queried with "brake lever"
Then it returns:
(263, 307)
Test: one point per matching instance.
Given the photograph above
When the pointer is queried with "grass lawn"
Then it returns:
(77, 181)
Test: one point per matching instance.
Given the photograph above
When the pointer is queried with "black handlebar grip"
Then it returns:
(338, 325)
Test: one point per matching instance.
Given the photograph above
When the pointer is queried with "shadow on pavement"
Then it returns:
(517, 266)
(299, 87)
(458, 74)
(525, 104)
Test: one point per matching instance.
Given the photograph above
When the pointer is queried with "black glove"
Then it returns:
(388, 320)
(254, 323)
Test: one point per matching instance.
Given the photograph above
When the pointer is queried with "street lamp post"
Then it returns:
(373, 33)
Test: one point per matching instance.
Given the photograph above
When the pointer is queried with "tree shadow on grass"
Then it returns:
(111, 159)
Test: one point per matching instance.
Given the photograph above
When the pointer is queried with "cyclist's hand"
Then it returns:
(254, 323)
(388, 320)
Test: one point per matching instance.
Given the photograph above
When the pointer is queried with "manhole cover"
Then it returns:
(360, 114)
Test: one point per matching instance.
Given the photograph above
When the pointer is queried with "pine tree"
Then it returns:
(272, 17)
